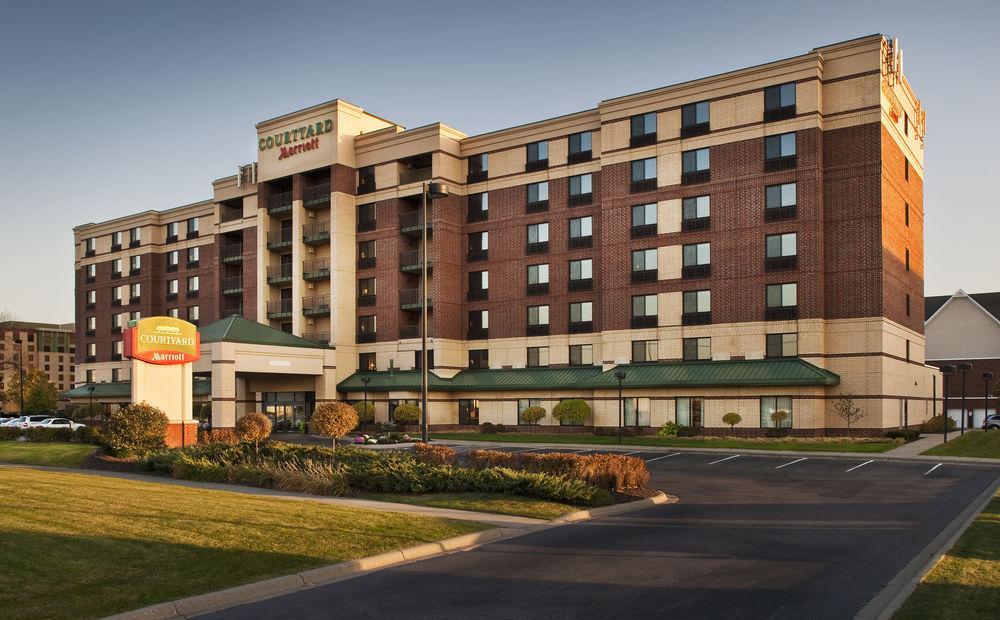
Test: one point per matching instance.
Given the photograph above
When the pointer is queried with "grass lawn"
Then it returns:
(982, 444)
(481, 502)
(83, 546)
(54, 454)
(965, 584)
(675, 442)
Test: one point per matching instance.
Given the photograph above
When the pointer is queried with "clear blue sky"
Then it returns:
(108, 108)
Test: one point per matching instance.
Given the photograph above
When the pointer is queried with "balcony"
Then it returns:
(134, 243)
(115, 247)
(192, 264)
(581, 327)
(536, 164)
(171, 296)
(316, 196)
(690, 131)
(696, 318)
(116, 275)
(280, 204)
(415, 175)
(231, 253)
(171, 239)
(778, 214)
(365, 225)
(580, 200)
(116, 329)
(116, 357)
(114, 304)
(478, 333)
(232, 307)
(582, 284)
(317, 305)
(90, 333)
(475, 176)
(477, 255)
(413, 331)
(89, 253)
(191, 295)
(477, 214)
(779, 114)
(279, 239)
(478, 294)
(367, 262)
(411, 261)
(316, 233)
(642, 322)
(317, 337)
(690, 272)
(365, 301)
(780, 163)
(783, 313)
(541, 247)
(135, 300)
(697, 176)
(642, 140)
(644, 275)
(537, 330)
(538, 206)
(230, 214)
(411, 299)
(279, 274)
(90, 279)
(643, 185)
(316, 269)
(579, 157)
(576, 243)
(781, 263)
(363, 337)
(171, 267)
(697, 223)
(410, 223)
(538, 288)
(279, 309)
(646, 230)
(232, 285)
(135, 272)
(90, 359)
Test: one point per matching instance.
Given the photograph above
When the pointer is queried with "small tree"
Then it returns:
(779, 417)
(40, 397)
(732, 419)
(846, 410)
(254, 427)
(366, 410)
(533, 414)
(12, 393)
(573, 411)
(407, 413)
(334, 420)
(136, 430)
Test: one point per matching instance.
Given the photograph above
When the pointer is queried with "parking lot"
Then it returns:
(752, 535)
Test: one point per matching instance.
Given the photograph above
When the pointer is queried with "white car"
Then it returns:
(59, 423)
(32, 420)
(11, 421)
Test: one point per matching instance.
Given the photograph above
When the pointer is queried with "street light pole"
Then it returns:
(20, 374)
(987, 377)
(90, 389)
(364, 381)
(946, 371)
(428, 191)
(964, 368)
(620, 375)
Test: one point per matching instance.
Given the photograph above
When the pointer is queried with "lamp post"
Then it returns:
(946, 371)
(987, 377)
(90, 390)
(964, 368)
(364, 381)
(428, 192)
(20, 374)
(620, 375)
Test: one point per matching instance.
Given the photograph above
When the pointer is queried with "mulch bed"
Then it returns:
(106, 462)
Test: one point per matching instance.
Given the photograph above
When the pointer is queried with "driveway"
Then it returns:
(753, 536)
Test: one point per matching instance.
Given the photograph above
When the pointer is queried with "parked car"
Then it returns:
(33, 420)
(992, 421)
(60, 423)
(15, 421)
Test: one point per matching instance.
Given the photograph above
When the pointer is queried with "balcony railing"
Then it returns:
(582, 284)
(575, 243)
(412, 261)
(537, 207)
(475, 176)
(365, 225)
(540, 247)
(412, 299)
(413, 331)
(317, 305)
(777, 214)
(478, 255)
(367, 262)
(279, 239)
(579, 200)
(414, 175)
(279, 309)
(780, 163)
(316, 196)
(232, 253)
(690, 131)
(645, 230)
(366, 300)
(316, 269)
(410, 222)
(536, 164)
(581, 327)
(537, 330)
(279, 274)
(538, 288)
(229, 214)
(317, 337)
(696, 271)
(279, 204)
(696, 318)
(229, 309)
(478, 294)
(640, 322)
(362, 337)
(644, 275)
(579, 157)
(697, 176)
(643, 185)
(316, 233)
(779, 114)
(232, 285)
(783, 313)
(781, 263)
(477, 214)
(642, 140)
(697, 223)
(478, 333)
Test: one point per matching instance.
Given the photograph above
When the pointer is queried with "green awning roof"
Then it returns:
(123, 389)
(729, 373)
(238, 329)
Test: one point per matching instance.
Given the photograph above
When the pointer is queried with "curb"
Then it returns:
(888, 601)
(288, 584)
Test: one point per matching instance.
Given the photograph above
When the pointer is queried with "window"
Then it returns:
(907, 260)
(116, 322)
(116, 350)
(581, 317)
(695, 166)
(643, 311)
(538, 320)
(780, 252)
(89, 376)
(906, 169)
(366, 217)
(479, 245)
(581, 231)
(779, 102)
(134, 292)
(580, 147)
(782, 345)
(366, 361)
(479, 167)
(366, 254)
(538, 357)
(644, 220)
(91, 272)
(135, 265)
(779, 152)
(479, 207)
(135, 236)
(114, 375)
(192, 227)
(366, 292)
(91, 325)
(417, 362)
(694, 119)
(135, 315)
(690, 412)
(776, 412)
(906, 214)
(193, 256)
(193, 313)
(581, 190)
(779, 202)
(367, 327)
(697, 307)
(538, 279)
(366, 180)
(644, 267)
(173, 259)
(90, 246)
(697, 349)
(173, 313)
(581, 355)
(479, 324)
(782, 301)
(172, 288)
(643, 129)
(479, 285)
(91, 350)
(524, 403)
(538, 238)
(907, 304)
(696, 213)
(172, 231)
(479, 359)
(538, 196)
(644, 174)
(644, 351)
(116, 268)
(116, 241)
(697, 258)
(581, 274)
(636, 411)
(538, 156)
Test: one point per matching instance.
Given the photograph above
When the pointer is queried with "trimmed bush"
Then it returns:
(688, 431)
(777, 431)
(9, 433)
(406, 413)
(669, 429)
(573, 411)
(218, 435)
(533, 414)
(613, 472)
(87, 434)
(334, 420)
(732, 419)
(253, 428)
(936, 424)
(434, 455)
(489, 428)
(48, 435)
(136, 430)
(366, 411)
(907, 434)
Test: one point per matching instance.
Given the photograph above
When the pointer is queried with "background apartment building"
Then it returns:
(745, 242)
(48, 347)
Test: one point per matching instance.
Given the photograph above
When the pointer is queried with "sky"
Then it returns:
(110, 108)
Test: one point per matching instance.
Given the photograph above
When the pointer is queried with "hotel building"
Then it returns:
(47, 347)
(748, 242)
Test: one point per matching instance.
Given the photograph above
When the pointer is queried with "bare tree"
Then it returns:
(847, 410)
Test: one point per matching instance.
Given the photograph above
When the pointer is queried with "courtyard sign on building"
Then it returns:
(162, 340)
(296, 140)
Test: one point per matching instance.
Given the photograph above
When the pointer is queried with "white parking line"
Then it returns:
(665, 456)
(792, 463)
(857, 466)
(933, 468)
(735, 456)
(628, 453)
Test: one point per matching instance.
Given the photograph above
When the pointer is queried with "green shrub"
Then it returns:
(406, 413)
(669, 429)
(533, 414)
(613, 472)
(489, 428)
(688, 431)
(366, 410)
(907, 434)
(936, 424)
(136, 430)
(9, 433)
(87, 434)
(732, 419)
(48, 435)
(573, 411)
(777, 431)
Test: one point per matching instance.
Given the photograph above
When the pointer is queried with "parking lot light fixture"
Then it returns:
(946, 371)
(987, 377)
(965, 368)
(620, 375)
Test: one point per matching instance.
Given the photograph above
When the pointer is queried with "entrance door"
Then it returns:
(468, 412)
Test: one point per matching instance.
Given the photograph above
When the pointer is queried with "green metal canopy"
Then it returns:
(238, 329)
(123, 389)
(468, 380)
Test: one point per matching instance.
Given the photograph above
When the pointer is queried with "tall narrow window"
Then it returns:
(643, 129)
(696, 213)
(779, 102)
(694, 119)
(580, 148)
(479, 167)
(644, 175)
(779, 152)
(538, 156)
(696, 166)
